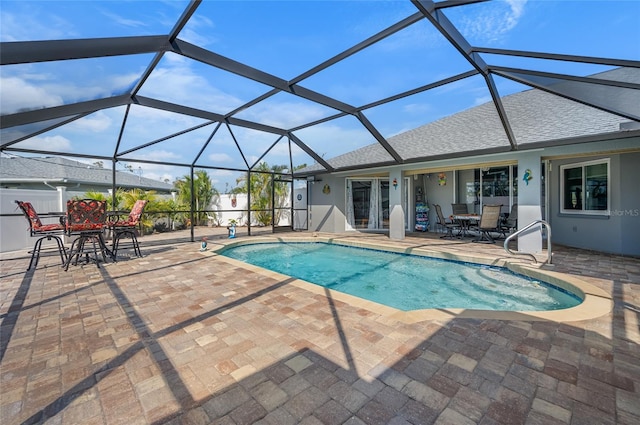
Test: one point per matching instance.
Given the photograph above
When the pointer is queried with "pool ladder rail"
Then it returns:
(527, 227)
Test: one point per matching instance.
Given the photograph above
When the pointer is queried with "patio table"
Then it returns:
(465, 221)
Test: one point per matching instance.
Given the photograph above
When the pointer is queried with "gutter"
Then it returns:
(46, 183)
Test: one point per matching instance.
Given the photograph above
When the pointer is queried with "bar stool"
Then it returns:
(86, 220)
(127, 228)
(42, 232)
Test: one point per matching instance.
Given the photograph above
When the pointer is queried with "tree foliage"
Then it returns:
(203, 190)
(260, 186)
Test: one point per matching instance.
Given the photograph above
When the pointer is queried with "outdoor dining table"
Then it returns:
(465, 221)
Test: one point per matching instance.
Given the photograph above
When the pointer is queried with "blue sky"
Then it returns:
(286, 39)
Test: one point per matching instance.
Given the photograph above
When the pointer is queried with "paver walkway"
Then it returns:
(183, 338)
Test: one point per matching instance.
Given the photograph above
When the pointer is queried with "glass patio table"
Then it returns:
(465, 221)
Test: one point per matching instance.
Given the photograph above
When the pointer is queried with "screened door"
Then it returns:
(282, 206)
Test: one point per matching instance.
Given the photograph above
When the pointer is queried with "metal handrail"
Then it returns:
(527, 227)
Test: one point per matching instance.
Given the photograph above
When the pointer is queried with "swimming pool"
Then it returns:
(405, 282)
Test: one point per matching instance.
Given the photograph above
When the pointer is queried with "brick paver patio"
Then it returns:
(184, 338)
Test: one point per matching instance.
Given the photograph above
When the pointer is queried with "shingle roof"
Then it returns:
(56, 168)
(535, 117)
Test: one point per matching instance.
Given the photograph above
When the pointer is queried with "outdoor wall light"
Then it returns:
(395, 183)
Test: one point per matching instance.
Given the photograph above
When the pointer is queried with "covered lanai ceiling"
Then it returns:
(226, 85)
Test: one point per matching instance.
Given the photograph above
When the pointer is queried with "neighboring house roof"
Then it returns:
(536, 118)
(55, 170)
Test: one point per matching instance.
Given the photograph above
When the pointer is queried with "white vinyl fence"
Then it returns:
(14, 230)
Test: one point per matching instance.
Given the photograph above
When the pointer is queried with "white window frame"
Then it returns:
(582, 166)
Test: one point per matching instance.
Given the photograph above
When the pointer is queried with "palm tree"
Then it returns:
(95, 195)
(172, 209)
(260, 186)
(204, 193)
(129, 197)
(100, 196)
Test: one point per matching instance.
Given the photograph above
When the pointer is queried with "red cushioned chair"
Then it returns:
(127, 228)
(42, 232)
(86, 220)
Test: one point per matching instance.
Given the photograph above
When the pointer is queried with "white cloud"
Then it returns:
(417, 108)
(161, 155)
(481, 100)
(220, 158)
(122, 21)
(160, 172)
(492, 24)
(96, 122)
(251, 159)
(176, 81)
(50, 143)
(284, 114)
(28, 90)
(195, 30)
(24, 25)
(330, 140)
(161, 177)
(18, 94)
(221, 173)
(121, 82)
(145, 119)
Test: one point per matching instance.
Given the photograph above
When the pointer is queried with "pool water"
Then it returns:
(405, 282)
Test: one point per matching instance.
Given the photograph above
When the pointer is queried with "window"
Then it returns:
(585, 188)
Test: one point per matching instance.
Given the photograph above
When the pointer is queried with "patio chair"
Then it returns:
(86, 220)
(464, 209)
(459, 209)
(127, 228)
(444, 224)
(489, 222)
(511, 223)
(42, 232)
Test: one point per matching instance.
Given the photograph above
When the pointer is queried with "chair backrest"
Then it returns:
(439, 213)
(136, 211)
(459, 209)
(31, 215)
(85, 214)
(490, 217)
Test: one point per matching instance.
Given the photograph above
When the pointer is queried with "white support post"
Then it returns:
(529, 208)
(396, 210)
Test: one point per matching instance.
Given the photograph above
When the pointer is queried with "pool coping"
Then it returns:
(596, 302)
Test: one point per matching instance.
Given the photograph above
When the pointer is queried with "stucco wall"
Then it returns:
(618, 233)
(629, 213)
(326, 207)
(441, 195)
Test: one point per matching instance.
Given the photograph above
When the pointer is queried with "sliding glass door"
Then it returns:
(367, 204)
(487, 186)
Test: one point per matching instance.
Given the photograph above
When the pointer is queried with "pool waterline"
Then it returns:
(596, 302)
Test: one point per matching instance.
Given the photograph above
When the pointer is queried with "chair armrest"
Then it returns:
(116, 214)
(62, 216)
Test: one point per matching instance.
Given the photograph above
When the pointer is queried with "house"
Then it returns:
(69, 178)
(573, 165)
(47, 173)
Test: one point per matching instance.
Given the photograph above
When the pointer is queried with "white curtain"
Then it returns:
(374, 205)
(351, 219)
